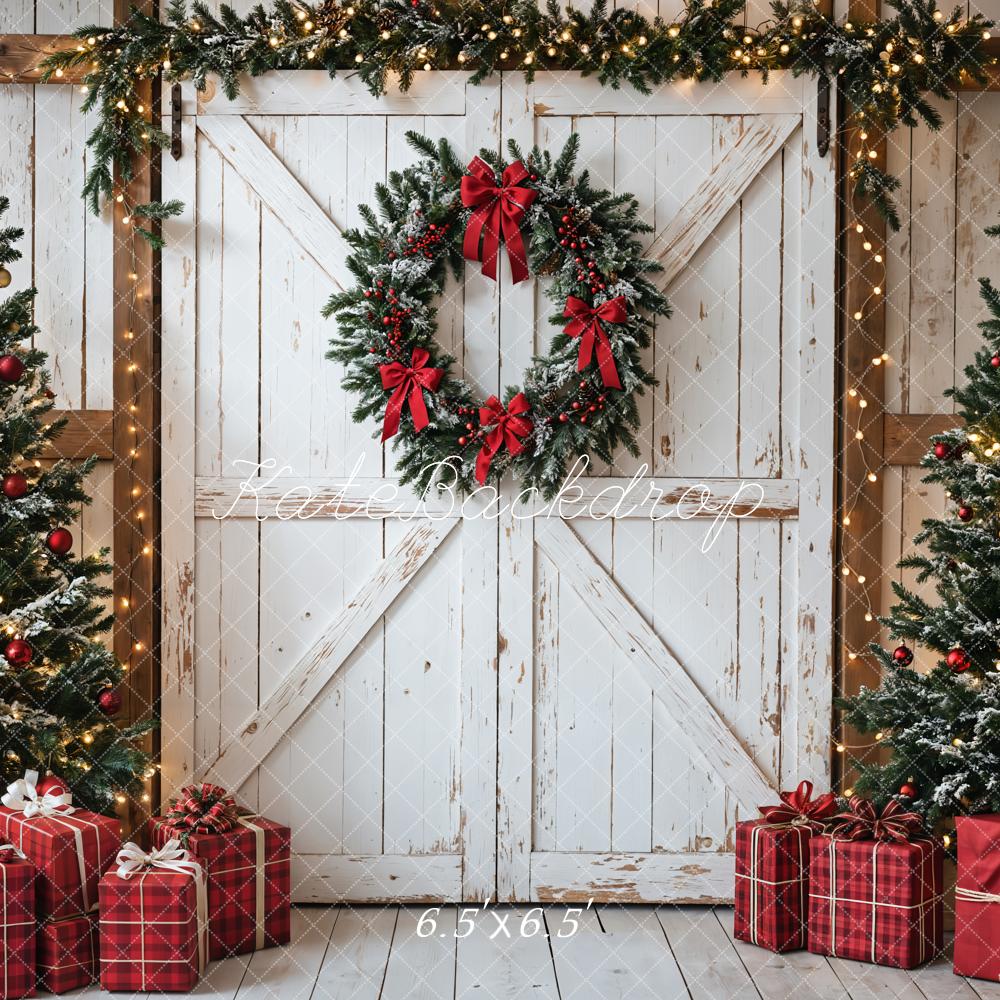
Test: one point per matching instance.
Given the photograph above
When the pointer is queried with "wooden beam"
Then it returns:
(906, 436)
(87, 433)
(20, 56)
(859, 544)
(135, 384)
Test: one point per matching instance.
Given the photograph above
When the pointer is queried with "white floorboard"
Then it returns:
(514, 952)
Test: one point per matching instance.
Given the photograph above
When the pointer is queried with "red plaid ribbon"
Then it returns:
(798, 808)
(203, 808)
(863, 822)
(584, 322)
(508, 427)
(496, 210)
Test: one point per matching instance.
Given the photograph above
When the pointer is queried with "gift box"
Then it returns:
(247, 864)
(772, 870)
(67, 953)
(153, 921)
(17, 925)
(70, 848)
(977, 897)
(875, 889)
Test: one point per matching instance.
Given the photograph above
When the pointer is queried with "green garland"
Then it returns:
(582, 239)
(887, 68)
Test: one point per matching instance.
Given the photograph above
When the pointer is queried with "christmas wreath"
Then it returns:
(577, 399)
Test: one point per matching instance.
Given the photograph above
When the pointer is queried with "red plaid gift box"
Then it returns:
(154, 921)
(877, 899)
(772, 867)
(17, 924)
(70, 848)
(247, 863)
(977, 897)
(67, 953)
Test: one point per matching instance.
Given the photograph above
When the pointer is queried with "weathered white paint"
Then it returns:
(474, 722)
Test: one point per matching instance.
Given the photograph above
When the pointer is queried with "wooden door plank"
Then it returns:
(20, 56)
(501, 963)
(680, 240)
(706, 956)
(87, 433)
(265, 728)
(370, 878)
(291, 970)
(422, 967)
(355, 962)
(708, 733)
(280, 192)
(906, 436)
(778, 977)
(622, 953)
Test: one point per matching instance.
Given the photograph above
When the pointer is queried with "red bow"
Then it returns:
(508, 426)
(496, 210)
(409, 383)
(203, 808)
(799, 808)
(584, 322)
(864, 823)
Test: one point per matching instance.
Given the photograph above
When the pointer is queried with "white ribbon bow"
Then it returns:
(133, 860)
(22, 796)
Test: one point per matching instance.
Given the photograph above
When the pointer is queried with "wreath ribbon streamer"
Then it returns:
(508, 427)
(585, 323)
(496, 210)
(409, 383)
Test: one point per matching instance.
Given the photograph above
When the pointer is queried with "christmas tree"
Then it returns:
(58, 682)
(943, 726)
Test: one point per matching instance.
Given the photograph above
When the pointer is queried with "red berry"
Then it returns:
(563, 418)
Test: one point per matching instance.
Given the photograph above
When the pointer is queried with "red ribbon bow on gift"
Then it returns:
(800, 809)
(508, 427)
(863, 822)
(585, 323)
(409, 383)
(204, 808)
(496, 210)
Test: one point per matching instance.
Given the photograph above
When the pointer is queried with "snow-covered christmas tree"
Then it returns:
(943, 726)
(58, 682)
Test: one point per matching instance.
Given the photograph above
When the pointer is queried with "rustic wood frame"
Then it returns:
(129, 433)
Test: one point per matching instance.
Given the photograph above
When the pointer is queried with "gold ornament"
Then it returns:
(5, 278)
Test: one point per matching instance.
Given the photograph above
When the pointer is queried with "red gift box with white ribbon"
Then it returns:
(17, 924)
(977, 897)
(247, 865)
(875, 888)
(154, 921)
(70, 848)
(772, 869)
(67, 953)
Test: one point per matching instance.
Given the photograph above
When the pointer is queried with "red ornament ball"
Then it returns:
(959, 660)
(18, 653)
(51, 783)
(965, 513)
(14, 486)
(59, 541)
(902, 656)
(11, 368)
(942, 450)
(995, 361)
(109, 701)
(908, 790)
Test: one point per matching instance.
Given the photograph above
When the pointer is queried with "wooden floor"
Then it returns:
(638, 953)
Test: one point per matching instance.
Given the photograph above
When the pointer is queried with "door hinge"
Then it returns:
(175, 121)
(823, 115)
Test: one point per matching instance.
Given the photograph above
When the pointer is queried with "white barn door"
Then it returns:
(461, 709)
